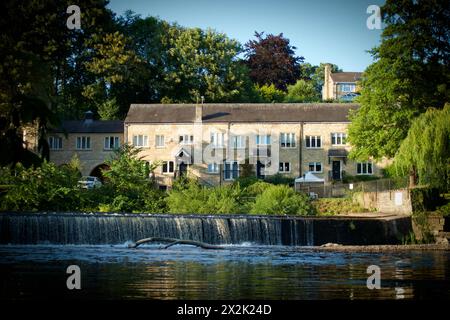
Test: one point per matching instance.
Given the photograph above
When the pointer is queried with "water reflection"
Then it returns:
(240, 272)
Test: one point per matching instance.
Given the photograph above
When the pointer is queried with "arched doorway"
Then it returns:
(97, 171)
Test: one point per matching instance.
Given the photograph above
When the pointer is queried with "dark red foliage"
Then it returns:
(271, 59)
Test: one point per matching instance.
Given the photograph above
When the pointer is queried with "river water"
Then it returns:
(244, 271)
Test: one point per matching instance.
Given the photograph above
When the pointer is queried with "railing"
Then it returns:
(342, 189)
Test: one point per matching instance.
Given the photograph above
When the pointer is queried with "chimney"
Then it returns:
(326, 92)
(199, 111)
(88, 117)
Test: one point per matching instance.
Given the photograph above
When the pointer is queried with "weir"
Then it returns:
(101, 228)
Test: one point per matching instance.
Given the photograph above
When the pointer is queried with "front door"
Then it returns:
(183, 169)
(260, 170)
(336, 170)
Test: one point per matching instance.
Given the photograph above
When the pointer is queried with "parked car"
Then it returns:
(89, 182)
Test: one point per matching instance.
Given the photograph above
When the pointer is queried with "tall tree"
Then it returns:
(272, 60)
(425, 152)
(411, 73)
(35, 51)
(202, 63)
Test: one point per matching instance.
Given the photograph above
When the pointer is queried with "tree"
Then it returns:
(269, 94)
(202, 63)
(425, 152)
(37, 57)
(109, 110)
(272, 60)
(302, 91)
(411, 73)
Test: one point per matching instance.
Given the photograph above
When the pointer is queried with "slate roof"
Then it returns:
(230, 112)
(346, 76)
(95, 126)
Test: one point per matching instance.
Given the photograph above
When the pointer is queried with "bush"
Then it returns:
(280, 200)
(48, 187)
(333, 206)
(279, 179)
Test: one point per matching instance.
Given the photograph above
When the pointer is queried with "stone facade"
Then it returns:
(307, 138)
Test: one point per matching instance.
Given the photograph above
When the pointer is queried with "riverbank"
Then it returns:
(381, 248)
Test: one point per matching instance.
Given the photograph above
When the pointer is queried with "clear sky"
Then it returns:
(322, 30)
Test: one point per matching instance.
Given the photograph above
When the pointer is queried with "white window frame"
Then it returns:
(140, 140)
(288, 139)
(160, 141)
(217, 139)
(282, 167)
(311, 139)
(231, 163)
(107, 143)
(342, 136)
(213, 168)
(366, 165)
(55, 143)
(263, 139)
(186, 139)
(314, 164)
(238, 142)
(83, 143)
(167, 163)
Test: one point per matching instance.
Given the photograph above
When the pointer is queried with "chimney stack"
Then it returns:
(88, 117)
(326, 92)
(199, 111)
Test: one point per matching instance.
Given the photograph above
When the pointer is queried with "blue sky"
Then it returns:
(322, 30)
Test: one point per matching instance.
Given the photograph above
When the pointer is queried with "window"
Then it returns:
(140, 141)
(168, 167)
(186, 139)
(217, 139)
(159, 141)
(83, 143)
(238, 142)
(285, 167)
(55, 143)
(365, 167)
(313, 142)
(111, 143)
(287, 140)
(263, 139)
(348, 87)
(213, 168)
(338, 139)
(315, 167)
(231, 170)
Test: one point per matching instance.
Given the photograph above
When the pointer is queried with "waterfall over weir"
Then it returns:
(99, 228)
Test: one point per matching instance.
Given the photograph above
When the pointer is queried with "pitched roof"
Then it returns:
(94, 126)
(346, 76)
(231, 112)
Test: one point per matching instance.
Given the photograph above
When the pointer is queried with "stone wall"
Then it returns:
(394, 201)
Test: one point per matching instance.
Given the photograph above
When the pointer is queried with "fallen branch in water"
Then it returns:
(174, 241)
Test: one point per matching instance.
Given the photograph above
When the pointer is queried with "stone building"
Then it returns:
(218, 143)
(92, 141)
(340, 86)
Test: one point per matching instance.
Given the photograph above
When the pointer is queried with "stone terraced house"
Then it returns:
(218, 143)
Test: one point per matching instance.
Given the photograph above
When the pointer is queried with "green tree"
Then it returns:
(410, 74)
(269, 93)
(109, 110)
(202, 63)
(302, 91)
(425, 152)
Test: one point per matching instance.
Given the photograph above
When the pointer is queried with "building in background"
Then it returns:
(340, 86)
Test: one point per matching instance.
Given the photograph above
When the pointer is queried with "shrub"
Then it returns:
(279, 179)
(281, 200)
(333, 206)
